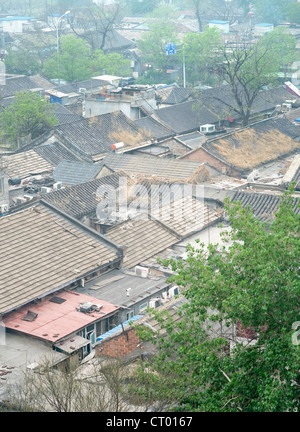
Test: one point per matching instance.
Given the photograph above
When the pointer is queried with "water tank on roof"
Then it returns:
(117, 145)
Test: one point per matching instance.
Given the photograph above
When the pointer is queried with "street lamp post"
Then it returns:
(57, 41)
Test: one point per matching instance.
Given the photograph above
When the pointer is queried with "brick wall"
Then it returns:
(200, 155)
(118, 346)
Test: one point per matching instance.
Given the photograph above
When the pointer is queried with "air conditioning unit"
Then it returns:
(155, 303)
(207, 128)
(86, 307)
(82, 90)
(57, 186)
(97, 306)
(286, 107)
(20, 200)
(4, 208)
(141, 271)
(174, 291)
(45, 189)
(28, 197)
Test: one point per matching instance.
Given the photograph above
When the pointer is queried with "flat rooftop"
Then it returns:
(113, 285)
(56, 317)
(19, 353)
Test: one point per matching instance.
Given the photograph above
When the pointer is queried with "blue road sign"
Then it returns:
(171, 48)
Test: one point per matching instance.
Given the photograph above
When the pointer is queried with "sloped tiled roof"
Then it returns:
(154, 128)
(185, 117)
(261, 142)
(26, 163)
(55, 152)
(75, 172)
(94, 136)
(142, 239)
(264, 206)
(18, 83)
(43, 251)
(178, 95)
(210, 106)
(220, 100)
(151, 166)
(81, 199)
(185, 215)
(63, 115)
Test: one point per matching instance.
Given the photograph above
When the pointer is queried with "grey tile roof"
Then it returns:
(27, 163)
(81, 199)
(114, 41)
(62, 114)
(264, 206)
(142, 239)
(217, 100)
(212, 105)
(43, 250)
(55, 152)
(281, 124)
(177, 95)
(75, 172)
(186, 215)
(171, 169)
(15, 84)
(40, 81)
(185, 117)
(154, 128)
(94, 136)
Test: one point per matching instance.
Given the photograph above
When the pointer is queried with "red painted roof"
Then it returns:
(56, 321)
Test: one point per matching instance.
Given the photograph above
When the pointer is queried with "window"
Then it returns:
(129, 315)
(143, 306)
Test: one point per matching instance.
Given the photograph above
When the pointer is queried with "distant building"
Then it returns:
(223, 26)
(15, 24)
(262, 28)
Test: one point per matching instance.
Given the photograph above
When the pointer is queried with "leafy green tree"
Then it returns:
(200, 54)
(22, 62)
(253, 280)
(28, 114)
(271, 11)
(72, 62)
(153, 43)
(140, 7)
(292, 11)
(167, 11)
(113, 64)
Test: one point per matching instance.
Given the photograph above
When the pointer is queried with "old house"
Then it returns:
(240, 152)
(92, 138)
(148, 166)
(46, 254)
